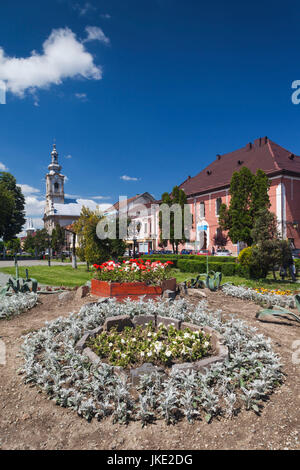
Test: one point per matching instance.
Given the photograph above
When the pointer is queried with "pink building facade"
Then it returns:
(207, 190)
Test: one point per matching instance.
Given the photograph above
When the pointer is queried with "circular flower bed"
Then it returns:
(161, 346)
(53, 363)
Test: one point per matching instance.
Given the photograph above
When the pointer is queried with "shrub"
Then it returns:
(195, 266)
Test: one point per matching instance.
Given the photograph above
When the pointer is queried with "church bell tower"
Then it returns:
(55, 193)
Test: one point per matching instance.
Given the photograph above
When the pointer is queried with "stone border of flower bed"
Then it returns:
(121, 321)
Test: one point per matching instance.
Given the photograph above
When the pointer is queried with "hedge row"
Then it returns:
(195, 266)
(176, 258)
(198, 264)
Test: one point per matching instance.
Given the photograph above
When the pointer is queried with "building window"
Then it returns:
(202, 210)
(218, 205)
(56, 186)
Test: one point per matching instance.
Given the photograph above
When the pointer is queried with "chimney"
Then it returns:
(292, 156)
(218, 156)
(249, 146)
(258, 142)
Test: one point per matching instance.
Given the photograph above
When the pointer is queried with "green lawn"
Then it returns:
(69, 277)
(267, 283)
(54, 275)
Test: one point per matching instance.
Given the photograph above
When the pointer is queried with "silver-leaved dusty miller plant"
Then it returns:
(252, 371)
(246, 293)
(16, 304)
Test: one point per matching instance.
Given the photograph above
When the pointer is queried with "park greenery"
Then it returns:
(12, 207)
(249, 195)
(91, 248)
(179, 197)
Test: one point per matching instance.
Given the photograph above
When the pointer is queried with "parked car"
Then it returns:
(296, 253)
(223, 253)
(186, 252)
(204, 253)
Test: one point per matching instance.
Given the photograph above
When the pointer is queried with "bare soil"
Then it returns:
(28, 420)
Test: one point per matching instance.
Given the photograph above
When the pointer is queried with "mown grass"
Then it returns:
(54, 275)
(69, 277)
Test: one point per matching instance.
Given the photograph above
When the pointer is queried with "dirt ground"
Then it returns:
(28, 420)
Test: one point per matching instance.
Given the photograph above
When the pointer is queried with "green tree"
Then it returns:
(13, 245)
(91, 248)
(249, 194)
(29, 243)
(41, 240)
(58, 238)
(6, 208)
(14, 212)
(179, 197)
(269, 250)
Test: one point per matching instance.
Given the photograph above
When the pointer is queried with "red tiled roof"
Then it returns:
(263, 154)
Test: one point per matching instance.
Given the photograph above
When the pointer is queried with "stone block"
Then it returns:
(91, 355)
(169, 294)
(80, 346)
(118, 322)
(143, 320)
(197, 293)
(145, 369)
(191, 326)
(65, 297)
(168, 322)
(82, 292)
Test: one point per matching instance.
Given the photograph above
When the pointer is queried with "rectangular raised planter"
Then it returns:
(133, 290)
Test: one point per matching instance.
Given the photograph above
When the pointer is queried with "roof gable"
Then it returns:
(263, 154)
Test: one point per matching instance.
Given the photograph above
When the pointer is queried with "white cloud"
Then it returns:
(34, 206)
(81, 96)
(106, 16)
(63, 57)
(129, 178)
(68, 157)
(84, 9)
(94, 33)
(99, 198)
(3, 167)
(26, 189)
(72, 196)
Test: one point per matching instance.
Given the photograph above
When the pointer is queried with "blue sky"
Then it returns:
(150, 90)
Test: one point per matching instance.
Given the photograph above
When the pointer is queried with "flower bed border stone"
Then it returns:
(121, 321)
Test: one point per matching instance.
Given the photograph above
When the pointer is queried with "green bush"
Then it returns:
(197, 266)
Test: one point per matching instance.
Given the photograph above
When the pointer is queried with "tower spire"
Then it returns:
(54, 166)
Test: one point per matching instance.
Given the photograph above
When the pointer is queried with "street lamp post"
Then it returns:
(49, 255)
(134, 247)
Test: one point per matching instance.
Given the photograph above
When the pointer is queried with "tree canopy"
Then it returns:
(249, 194)
(12, 207)
(179, 198)
(91, 248)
